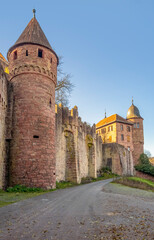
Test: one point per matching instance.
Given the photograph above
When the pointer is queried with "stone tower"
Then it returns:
(134, 116)
(33, 74)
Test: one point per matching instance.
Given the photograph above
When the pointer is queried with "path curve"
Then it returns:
(82, 212)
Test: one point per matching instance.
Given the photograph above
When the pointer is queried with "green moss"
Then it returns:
(89, 140)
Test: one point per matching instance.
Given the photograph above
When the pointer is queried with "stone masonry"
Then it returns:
(33, 74)
(78, 148)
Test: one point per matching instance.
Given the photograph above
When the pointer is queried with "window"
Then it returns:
(128, 138)
(122, 128)
(122, 137)
(50, 103)
(26, 52)
(103, 130)
(134, 125)
(128, 148)
(138, 125)
(128, 128)
(15, 55)
(51, 60)
(110, 128)
(40, 53)
(35, 136)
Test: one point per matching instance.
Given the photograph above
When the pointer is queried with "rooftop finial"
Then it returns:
(105, 113)
(34, 11)
(132, 100)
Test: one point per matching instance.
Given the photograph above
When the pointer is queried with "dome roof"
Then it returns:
(133, 112)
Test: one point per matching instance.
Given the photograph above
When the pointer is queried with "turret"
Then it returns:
(134, 116)
(33, 74)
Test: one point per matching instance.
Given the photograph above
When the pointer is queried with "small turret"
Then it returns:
(134, 116)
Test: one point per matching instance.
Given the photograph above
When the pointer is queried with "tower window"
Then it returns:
(15, 55)
(26, 52)
(35, 136)
(138, 125)
(40, 53)
(122, 128)
(122, 137)
(51, 60)
(50, 103)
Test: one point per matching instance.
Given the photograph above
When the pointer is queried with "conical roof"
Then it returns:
(133, 112)
(32, 34)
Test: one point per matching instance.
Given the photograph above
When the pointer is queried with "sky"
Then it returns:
(107, 47)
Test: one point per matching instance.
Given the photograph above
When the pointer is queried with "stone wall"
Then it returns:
(118, 158)
(78, 148)
(3, 113)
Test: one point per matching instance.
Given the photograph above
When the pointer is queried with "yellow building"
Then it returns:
(126, 132)
(115, 129)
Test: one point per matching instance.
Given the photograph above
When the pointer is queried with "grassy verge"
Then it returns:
(7, 198)
(136, 183)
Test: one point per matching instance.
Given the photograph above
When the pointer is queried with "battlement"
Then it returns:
(71, 120)
(77, 154)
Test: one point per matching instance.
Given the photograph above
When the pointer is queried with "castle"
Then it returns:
(40, 142)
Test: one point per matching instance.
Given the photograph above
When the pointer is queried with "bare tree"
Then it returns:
(64, 85)
(147, 152)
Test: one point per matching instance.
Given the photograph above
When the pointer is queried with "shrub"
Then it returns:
(145, 165)
(20, 188)
(106, 170)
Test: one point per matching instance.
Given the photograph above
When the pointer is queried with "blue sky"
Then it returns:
(108, 48)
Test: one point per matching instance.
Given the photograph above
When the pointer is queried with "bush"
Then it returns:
(143, 159)
(145, 165)
(106, 170)
(20, 188)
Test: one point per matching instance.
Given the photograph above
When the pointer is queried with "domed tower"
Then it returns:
(33, 74)
(134, 116)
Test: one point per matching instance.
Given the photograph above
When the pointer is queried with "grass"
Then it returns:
(63, 184)
(142, 180)
(136, 182)
(7, 198)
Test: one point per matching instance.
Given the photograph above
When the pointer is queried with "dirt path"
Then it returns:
(83, 212)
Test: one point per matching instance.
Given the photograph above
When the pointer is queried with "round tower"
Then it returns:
(134, 116)
(33, 74)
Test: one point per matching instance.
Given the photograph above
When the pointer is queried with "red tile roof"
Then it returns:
(113, 118)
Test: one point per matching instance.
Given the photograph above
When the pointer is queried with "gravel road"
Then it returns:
(94, 211)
